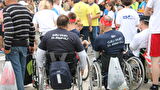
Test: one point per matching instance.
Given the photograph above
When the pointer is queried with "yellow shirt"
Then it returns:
(81, 10)
(94, 8)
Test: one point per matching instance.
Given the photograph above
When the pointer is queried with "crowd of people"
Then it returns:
(111, 27)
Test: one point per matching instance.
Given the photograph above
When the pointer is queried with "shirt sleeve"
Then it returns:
(78, 45)
(134, 44)
(98, 44)
(43, 42)
(97, 9)
(8, 30)
(118, 18)
(31, 35)
(150, 3)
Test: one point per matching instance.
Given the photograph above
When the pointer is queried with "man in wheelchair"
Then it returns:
(109, 44)
(59, 42)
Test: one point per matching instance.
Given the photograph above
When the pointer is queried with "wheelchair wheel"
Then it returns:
(137, 71)
(77, 80)
(95, 77)
(86, 71)
(42, 79)
(126, 69)
(35, 75)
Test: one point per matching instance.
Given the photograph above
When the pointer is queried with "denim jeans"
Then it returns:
(17, 56)
(94, 34)
(85, 32)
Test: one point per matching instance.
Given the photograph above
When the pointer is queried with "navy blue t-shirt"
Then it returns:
(61, 40)
(76, 32)
(111, 42)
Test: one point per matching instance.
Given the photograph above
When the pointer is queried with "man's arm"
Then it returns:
(8, 30)
(134, 44)
(97, 16)
(149, 8)
(82, 55)
(148, 11)
(40, 57)
(31, 37)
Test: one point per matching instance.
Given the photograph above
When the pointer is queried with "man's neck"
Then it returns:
(144, 28)
(13, 2)
(127, 6)
(108, 29)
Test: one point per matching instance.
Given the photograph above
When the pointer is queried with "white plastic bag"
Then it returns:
(8, 80)
(115, 74)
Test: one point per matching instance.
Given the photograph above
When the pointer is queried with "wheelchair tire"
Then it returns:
(137, 71)
(126, 69)
(95, 77)
(79, 81)
(86, 71)
(35, 75)
(42, 80)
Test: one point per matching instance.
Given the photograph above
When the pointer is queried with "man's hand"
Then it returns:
(7, 51)
(31, 49)
(82, 72)
(90, 28)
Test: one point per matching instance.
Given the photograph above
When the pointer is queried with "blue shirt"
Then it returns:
(76, 32)
(105, 12)
(111, 42)
(61, 40)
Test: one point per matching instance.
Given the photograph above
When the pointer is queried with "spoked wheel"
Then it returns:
(137, 71)
(95, 77)
(80, 82)
(35, 75)
(86, 71)
(42, 79)
(126, 68)
(77, 80)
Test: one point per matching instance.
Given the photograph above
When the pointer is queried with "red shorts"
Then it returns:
(155, 45)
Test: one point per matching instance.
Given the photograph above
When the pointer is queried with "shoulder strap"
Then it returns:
(53, 57)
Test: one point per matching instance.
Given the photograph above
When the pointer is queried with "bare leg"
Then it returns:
(155, 70)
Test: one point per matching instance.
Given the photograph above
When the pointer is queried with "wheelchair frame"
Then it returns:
(40, 79)
(130, 68)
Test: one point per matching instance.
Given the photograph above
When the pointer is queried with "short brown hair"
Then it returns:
(72, 15)
(111, 4)
(62, 21)
(127, 2)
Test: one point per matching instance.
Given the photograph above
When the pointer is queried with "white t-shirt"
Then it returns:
(154, 22)
(112, 15)
(59, 9)
(46, 19)
(128, 19)
(139, 41)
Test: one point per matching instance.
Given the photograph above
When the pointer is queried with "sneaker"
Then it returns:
(154, 87)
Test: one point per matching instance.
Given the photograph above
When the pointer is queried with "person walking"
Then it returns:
(127, 20)
(82, 11)
(152, 10)
(19, 34)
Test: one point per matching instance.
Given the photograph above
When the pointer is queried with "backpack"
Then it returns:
(59, 72)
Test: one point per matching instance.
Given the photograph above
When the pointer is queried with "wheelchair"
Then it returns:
(41, 79)
(132, 68)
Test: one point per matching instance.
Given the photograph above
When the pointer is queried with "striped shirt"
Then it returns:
(18, 26)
